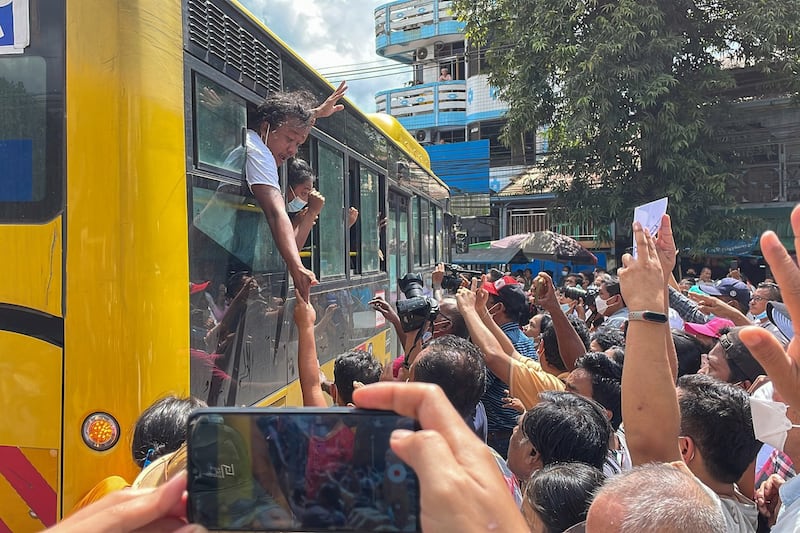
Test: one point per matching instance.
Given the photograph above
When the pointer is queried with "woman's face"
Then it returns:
(303, 190)
(533, 328)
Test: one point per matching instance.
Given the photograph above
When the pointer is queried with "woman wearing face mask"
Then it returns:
(304, 202)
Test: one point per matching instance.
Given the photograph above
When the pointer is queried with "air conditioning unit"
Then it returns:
(423, 136)
(421, 53)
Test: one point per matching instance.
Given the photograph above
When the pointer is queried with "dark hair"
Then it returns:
(355, 365)
(717, 417)
(299, 172)
(515, 302)
(607, 337)
(457, 366)
(280, 107)
(551, 352)
(743, 366)
(618, 355)
(565, 427)
(774, 291)
(459, 326)
(161, 428)
(689, 351)
(561, 493)
(612, 285)
(606, 377)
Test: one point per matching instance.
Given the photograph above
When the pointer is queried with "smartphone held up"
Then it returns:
(301, 469)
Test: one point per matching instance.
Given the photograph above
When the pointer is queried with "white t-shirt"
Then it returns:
(260, 168)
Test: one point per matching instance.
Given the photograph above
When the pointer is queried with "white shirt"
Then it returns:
(261, 168)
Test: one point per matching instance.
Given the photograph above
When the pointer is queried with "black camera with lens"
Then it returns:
(416, 309)
(576, 293)
(453, 277)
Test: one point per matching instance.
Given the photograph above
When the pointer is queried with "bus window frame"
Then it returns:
(192, 67)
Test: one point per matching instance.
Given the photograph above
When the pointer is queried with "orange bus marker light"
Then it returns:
(100, 431)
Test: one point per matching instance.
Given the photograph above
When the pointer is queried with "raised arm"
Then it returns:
(271, 202)
(570, 345)
(331, 105)
(716, 307)
(308, 216)
(307, 362)
(481, 297)
(667, 254)
(649, 400)
(497, 360)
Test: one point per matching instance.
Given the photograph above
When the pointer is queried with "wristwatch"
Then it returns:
(648, 316)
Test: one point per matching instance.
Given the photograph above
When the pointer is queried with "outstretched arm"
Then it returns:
(272, 204)
(649, 400)
(307, 362)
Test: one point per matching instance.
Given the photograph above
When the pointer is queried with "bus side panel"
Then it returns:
(33, 278)
(30, 435)
(126, 320)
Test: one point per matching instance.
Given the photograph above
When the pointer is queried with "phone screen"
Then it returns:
(299, 470)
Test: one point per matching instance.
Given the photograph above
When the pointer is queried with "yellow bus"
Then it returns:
(127, 232)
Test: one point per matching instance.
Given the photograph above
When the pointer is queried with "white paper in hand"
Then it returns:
(649, 216)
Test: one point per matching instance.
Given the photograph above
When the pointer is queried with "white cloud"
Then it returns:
(335, 33)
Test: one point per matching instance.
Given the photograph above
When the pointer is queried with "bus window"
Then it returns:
(30, 190)
(220, 116)
(235, 319)
(424, 234)
(436, 239)
(397, 241)
(368, 214)
(441, 237)
(331, 230)
(415, 230)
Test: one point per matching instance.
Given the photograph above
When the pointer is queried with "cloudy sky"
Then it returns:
(335, 36)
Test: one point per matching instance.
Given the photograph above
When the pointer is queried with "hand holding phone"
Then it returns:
(454, 466)
(299, 470)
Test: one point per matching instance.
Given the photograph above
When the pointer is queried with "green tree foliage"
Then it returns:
(637, 94)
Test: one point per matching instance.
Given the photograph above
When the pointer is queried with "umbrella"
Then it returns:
(547, 245)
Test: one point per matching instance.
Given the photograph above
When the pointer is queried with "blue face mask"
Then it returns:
(761, 316)
(297, 204)
(565, 307)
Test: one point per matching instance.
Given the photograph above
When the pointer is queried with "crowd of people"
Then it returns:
(632, 401)
(624, 425)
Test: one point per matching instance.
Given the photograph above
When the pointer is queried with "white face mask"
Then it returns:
(770, 423)
(296, 205)
(601, 305)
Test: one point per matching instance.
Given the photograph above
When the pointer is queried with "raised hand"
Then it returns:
(437, 276)
(783, 367)
(330, 105)
(304, 313)
(641, 280)
(303, 279)
(465, 299)
(461, 488)
(665, 247)
(315, 202)
(352, 216)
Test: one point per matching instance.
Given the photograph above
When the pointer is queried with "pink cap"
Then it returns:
(710, 328)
